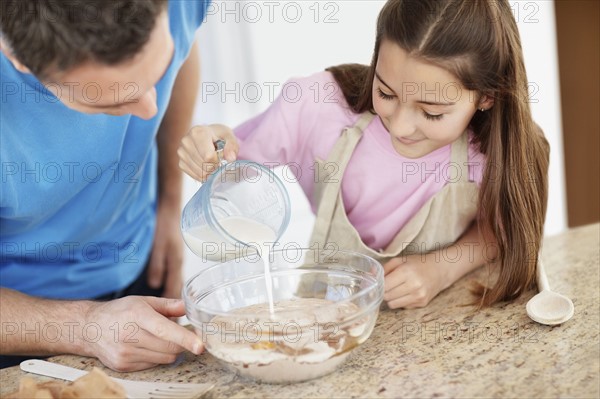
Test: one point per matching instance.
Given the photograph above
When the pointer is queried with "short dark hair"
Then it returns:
(50, 36)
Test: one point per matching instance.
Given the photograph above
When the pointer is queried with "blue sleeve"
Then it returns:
(185, 17)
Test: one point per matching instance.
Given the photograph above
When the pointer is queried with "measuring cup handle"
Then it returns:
(219, 146)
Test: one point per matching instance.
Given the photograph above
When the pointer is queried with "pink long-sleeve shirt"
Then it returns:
(381, 189)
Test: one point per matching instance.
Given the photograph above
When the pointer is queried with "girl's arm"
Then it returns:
(413, 281)
(274, 137)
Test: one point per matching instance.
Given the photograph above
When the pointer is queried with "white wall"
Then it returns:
(538, 36)
(291, 38)
(250, 45)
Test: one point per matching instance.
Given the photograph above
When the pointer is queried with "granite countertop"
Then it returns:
(444, 350)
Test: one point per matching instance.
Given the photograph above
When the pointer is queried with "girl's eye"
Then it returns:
(432, 117)
(384, 96)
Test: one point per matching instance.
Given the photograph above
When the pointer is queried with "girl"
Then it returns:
(427, 160)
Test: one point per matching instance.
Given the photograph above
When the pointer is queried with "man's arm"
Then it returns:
(126, 334)
(23, 318)
(167, 251)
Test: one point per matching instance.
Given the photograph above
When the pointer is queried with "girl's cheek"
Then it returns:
(381, 108)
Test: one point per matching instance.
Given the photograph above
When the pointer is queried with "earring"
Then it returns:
(482, 109)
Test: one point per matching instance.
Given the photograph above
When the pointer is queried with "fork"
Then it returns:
(134, 389)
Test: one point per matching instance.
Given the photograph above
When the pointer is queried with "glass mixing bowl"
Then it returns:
(325, 305)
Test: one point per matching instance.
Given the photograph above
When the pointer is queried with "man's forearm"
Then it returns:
(465, 255)
(35, 326)
(176, 122)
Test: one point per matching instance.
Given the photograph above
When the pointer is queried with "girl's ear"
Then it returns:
(11, 57)
(485, 102)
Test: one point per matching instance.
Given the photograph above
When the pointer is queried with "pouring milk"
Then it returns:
(243, 229)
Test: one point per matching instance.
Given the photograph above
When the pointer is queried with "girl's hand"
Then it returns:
(412, 281)
(197, 154)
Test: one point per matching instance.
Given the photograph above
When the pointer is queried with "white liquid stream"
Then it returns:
(260, 236)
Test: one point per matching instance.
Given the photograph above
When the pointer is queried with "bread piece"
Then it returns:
(95, 384)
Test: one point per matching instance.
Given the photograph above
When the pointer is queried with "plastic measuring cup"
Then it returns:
(241, 204)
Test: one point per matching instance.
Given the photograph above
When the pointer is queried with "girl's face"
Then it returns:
(423, 107)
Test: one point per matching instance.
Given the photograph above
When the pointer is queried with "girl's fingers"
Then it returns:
(231, 148)
(397, 292)
(197, 153)
(394, 279)
(404, 302)
(194, 172)
(191, 158)
(204, 143)
(199, 147)
(399, 289)
(392, 264)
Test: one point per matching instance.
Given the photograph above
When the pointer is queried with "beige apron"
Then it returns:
(439, 223)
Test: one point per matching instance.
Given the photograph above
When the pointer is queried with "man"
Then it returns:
(95, 98)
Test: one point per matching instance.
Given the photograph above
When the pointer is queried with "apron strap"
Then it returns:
(459, 158)
(341, 153)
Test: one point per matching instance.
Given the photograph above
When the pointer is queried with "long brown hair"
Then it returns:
(478, 41)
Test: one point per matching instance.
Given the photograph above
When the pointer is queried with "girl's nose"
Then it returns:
(402, 124)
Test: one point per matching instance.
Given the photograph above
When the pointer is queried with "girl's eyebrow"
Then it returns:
(382, 81)
(420, 102)
(435, 103)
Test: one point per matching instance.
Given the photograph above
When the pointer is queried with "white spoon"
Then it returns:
(548, 307)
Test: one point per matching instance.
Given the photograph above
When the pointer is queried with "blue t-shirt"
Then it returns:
(78, 191)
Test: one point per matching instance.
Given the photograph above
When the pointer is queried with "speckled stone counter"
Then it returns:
(446, 349)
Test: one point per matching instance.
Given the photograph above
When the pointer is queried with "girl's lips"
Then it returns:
(406, 141)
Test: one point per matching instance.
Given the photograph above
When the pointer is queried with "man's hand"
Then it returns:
(127, 334)
(166, 258)
(136, 333)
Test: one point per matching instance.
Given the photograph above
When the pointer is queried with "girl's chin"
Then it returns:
(415, 150)
(408, 142)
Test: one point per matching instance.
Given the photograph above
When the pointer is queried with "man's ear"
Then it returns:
(11, 57)
(485, 102)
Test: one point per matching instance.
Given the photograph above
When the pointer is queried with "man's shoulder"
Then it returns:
(187, 14)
